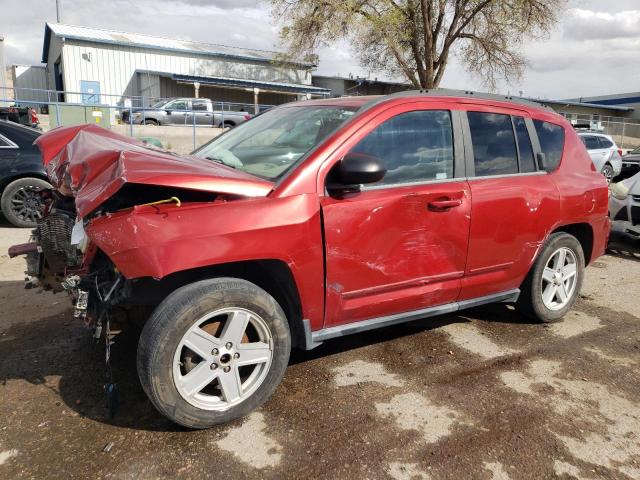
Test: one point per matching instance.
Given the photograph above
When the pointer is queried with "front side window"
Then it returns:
(177, 105)
(551, 137)
(270, 144)
(415, 146)
(494, 145)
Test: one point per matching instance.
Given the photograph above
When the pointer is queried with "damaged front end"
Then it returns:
(97, 174)
(60, 257)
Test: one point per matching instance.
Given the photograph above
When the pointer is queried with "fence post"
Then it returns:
(131, 120)
(623, 125)
(222, 119)
(58, 110)
(193, 118)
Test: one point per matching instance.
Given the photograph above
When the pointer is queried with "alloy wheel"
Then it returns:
(559, 279)
(222, 359)
(26, 204)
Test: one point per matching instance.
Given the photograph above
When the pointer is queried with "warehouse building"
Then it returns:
(353, 86)
(630, 101)
(106, 66)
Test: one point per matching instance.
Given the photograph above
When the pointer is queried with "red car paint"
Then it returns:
(370, 254)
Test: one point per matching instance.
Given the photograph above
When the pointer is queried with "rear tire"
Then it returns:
(550, 289)
(197, 331)
(151, 121)
(20, 203)
(607, 171)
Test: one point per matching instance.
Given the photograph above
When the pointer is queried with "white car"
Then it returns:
(624, 206)
(604, 153)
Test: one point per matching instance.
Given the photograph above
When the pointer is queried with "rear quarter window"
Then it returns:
(551, 137)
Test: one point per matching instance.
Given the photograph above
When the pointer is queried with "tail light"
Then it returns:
(34, 115)
(620, 151)
(247, 117)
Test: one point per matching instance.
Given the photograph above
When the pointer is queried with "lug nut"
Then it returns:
(227, 369)
(236, 355)
(229, 345)
(214, 366)
(214, 351)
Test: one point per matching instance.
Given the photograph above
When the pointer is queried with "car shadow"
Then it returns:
(622, 246)
(59, 353)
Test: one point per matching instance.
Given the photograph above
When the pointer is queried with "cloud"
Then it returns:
(594, 25)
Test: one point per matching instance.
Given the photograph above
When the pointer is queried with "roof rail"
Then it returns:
(448, 92)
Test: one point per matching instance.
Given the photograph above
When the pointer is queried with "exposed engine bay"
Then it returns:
(62, 259)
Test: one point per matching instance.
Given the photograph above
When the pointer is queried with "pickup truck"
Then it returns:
(26, 116)
(181, 111)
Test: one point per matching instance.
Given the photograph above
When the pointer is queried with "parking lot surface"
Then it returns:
(484, 394)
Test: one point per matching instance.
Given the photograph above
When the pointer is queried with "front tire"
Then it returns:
(554, 282)
(213, 351)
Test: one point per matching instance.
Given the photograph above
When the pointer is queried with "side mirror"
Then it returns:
(168, 112)
(541, 158)
(356, 169)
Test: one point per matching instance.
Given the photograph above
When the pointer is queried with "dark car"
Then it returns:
(630, 164)
(22, 174)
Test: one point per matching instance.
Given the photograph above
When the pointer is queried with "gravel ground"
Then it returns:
(484, 395)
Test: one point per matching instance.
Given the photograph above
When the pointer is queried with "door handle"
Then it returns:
(444, 204)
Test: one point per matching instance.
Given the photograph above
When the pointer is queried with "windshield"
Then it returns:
(636, 150)
(270, 144)
(159, 104)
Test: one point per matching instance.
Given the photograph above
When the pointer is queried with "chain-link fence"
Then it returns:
(182, 125)
(625, 131)
(177, 124)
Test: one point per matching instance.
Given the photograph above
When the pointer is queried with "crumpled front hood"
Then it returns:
(94, 163)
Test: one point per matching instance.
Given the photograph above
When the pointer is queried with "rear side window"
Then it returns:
(494, 145)
(525, 150)
(605, 143)
(199, 105)
(5, 143)
(415, 146)
(590, 142)
(551, 139)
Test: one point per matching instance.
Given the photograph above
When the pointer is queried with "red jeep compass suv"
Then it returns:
(315, 220)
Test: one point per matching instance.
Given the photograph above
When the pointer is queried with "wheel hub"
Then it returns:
(222, 359)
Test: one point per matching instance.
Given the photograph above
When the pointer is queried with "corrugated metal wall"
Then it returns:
(3, 74)
(30, 77)
(114, 66)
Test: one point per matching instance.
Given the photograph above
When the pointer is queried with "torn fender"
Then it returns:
(92, 164)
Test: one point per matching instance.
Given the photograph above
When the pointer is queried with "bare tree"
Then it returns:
(417, 37)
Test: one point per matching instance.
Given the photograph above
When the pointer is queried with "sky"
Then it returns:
(595, 49)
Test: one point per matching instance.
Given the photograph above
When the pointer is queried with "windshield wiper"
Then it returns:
(219, 160)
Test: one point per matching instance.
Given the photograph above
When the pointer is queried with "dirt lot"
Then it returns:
(482, 395)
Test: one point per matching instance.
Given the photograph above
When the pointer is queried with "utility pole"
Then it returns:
(58, 10)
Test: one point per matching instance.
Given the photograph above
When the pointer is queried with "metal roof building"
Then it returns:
(104, 66)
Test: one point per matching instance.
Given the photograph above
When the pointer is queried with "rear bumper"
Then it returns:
(601, 233)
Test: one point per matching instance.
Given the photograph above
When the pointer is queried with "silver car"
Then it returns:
(624, 206)
(604, 153)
